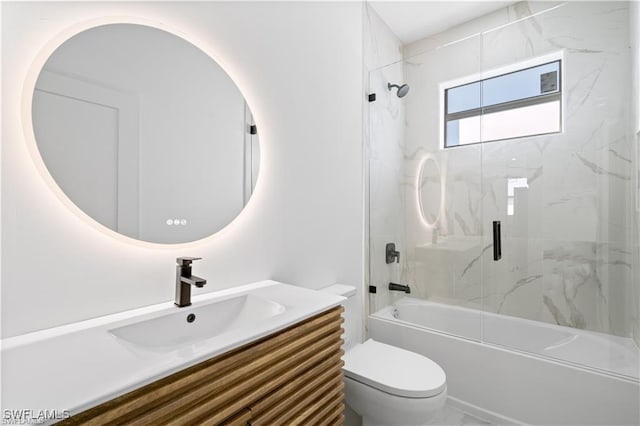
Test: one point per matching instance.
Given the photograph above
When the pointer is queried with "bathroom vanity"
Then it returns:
(291, 377)
(266, 353)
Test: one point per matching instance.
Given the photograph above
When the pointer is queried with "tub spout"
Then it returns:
(399, 287)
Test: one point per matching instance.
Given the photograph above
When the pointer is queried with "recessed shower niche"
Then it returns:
(145, 133)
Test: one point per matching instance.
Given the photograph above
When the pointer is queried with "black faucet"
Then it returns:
(399, 287)
(184, 281)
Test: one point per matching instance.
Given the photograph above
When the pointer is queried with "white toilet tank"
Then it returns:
(352, 320)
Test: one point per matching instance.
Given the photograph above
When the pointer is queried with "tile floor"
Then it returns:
(451, 416)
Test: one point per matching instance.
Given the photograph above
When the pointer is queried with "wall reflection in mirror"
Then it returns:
(145, 133)
(429, 191)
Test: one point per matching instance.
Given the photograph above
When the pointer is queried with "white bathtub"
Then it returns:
(544, 381)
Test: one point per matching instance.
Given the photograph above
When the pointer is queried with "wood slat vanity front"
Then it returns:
(293, 377)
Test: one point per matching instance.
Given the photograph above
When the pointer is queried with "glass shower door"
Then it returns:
(561, 198)
(444, 205)
(423, 198)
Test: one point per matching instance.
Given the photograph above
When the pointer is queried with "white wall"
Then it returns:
(299, 66)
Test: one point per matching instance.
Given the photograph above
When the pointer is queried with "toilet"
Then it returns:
(388, 385)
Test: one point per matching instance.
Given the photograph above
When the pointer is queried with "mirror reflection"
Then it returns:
(145, 133)
(430, 191)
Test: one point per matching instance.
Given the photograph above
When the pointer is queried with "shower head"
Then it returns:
(402, 90)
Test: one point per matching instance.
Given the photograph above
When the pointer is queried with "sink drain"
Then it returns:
(191, 317)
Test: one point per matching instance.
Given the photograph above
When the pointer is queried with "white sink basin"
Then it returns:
(210, 320)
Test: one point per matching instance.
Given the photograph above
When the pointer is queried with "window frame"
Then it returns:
(503, 106)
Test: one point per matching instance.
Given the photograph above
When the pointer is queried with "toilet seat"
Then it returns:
(394, 370)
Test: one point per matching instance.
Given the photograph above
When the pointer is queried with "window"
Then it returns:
(525, 102)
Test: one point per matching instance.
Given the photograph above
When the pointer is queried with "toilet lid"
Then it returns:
(394, 370)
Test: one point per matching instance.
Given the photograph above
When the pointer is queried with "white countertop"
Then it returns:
(78, 366)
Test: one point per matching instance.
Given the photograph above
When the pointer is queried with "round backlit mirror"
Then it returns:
(145, 133)
(429, 191)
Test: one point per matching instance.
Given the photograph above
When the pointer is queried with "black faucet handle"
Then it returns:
(391, 254)
(186, 261)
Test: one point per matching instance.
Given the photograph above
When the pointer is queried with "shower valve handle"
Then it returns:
(391, 253)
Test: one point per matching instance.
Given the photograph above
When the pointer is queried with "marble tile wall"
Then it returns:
(568, 254)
